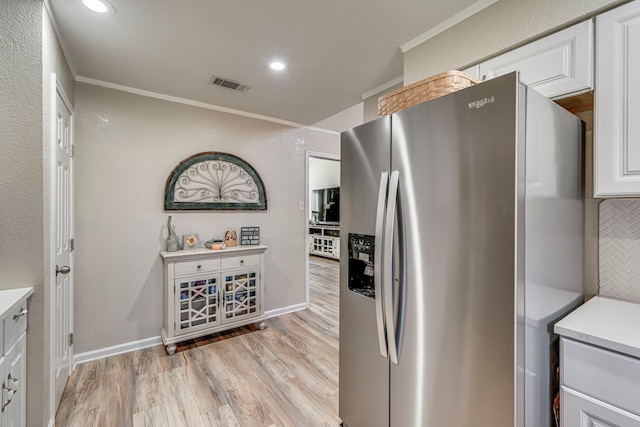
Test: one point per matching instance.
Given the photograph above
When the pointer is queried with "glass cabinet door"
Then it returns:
(198, 304)
(241, 294)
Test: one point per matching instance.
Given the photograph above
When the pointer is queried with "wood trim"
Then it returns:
(578, 103)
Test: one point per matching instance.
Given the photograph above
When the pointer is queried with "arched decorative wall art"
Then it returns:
(214, 180)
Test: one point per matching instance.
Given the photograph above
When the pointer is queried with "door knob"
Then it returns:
(62, 270)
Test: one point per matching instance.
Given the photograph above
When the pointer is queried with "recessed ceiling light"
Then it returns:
(100, 6)
(277, 65)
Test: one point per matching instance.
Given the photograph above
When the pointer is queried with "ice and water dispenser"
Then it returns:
(361, 264)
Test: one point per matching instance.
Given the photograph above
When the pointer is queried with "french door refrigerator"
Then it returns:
(462, 225)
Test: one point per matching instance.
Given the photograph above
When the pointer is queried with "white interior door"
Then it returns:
(62, 297)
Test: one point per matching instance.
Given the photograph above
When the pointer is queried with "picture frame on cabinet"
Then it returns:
(250, 235)
(190, 242)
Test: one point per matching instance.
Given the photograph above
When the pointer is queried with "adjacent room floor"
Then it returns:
(283, 376)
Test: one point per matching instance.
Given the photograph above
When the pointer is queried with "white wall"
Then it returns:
(501, 26)
(323, 173)
(344, 120)
(21, 160)
(126, 147)
(371, 103)
(21, 228)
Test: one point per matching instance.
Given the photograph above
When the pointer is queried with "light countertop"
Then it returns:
(11, 298)
(605, 322)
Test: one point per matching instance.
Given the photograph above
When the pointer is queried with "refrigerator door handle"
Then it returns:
(378, 256)
(387, 268)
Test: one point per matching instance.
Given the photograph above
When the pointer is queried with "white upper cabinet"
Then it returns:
(473, 71)
(617, 109)
(558, 65)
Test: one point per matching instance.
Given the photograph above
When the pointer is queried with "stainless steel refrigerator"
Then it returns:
(462, 242)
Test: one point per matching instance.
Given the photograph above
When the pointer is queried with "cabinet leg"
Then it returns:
(262, 325)
(171, 348)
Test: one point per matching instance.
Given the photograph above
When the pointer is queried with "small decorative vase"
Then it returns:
(173, 244)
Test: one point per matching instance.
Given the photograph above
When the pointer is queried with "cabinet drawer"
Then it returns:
(610, 377)
(14, 327)
(193, 267)
(240, 261)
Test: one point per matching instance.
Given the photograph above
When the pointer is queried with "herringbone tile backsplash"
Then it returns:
(620, 249)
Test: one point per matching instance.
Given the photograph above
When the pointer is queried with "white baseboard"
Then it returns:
(115, 350)
(102, 353)
(286, 310)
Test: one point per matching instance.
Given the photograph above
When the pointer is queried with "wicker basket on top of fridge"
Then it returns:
(423, 90)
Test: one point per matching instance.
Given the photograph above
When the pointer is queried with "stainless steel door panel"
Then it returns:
(457, 161)
(364, 372)
(554, 245)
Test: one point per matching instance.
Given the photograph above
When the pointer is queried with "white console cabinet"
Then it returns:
(208, 291)
(600, 365)
(324, 240)
(13, 353)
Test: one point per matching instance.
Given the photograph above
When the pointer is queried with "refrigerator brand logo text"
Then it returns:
(481, 102)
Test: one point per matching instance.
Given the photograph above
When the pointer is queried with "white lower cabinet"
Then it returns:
(326, 246)
(13, 355)
(600, 365)
(580, 410)
(324, 240)
(599, 388)
(209, 291)
(14, 379)
(7, 393)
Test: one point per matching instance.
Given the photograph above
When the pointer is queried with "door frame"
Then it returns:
(307, 212)
(57, 90)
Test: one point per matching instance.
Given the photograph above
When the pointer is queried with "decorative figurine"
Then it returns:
(217, 245)
(230, 237)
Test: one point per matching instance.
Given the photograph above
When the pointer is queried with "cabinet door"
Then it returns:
(16, 378)
(3, 383)
(473, 71)
(241, 290)
(317, 245)
(579, 410)
(197, 303)
(617, 102)
(557, 65)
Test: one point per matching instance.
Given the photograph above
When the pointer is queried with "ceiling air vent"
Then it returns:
(228, 84)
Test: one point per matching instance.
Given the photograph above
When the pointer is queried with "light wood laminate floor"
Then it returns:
(283, 376)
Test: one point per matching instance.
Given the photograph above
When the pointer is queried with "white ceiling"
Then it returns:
(336, 50)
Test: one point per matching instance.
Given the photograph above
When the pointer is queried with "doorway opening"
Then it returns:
(322, 219)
